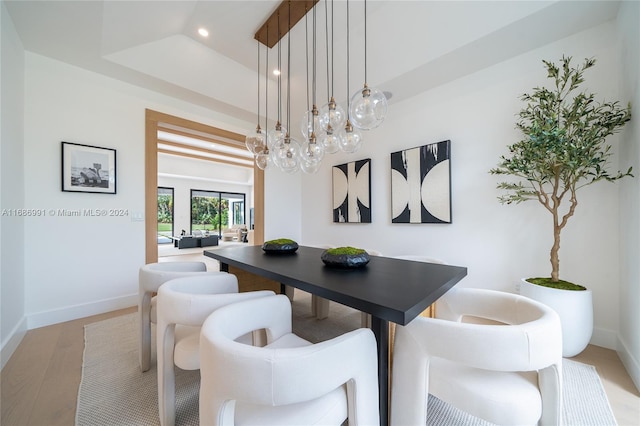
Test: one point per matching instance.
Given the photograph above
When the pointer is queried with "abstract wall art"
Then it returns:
(352, 192)
(421, 184)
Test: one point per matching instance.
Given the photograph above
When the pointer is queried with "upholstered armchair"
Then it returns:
(183, 305)
(505, 367)
(289, 381)
(150, 278)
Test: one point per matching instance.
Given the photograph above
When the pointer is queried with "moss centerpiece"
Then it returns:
(280, 246)
(345, 257)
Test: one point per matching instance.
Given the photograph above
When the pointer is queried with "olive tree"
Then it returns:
(562, 148)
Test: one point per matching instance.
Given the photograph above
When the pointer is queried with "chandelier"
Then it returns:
(324, 130)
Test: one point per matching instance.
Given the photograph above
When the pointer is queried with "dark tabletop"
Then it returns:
(392, 289)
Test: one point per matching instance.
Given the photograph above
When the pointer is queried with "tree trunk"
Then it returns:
(555, 259)
(555, 249)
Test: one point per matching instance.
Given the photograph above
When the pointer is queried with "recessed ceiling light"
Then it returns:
(276, 72)
(203, 32)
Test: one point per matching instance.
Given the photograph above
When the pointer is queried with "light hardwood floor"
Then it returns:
(40, 381)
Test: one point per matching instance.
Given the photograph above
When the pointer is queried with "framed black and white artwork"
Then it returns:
(421, 184)
(352, 192)
(87, 168)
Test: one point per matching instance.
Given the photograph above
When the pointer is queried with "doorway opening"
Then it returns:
(228, 143)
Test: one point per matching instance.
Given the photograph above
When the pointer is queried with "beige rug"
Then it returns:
(113, 391)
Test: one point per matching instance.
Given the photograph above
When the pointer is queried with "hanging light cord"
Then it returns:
(314, 58)
(289, 70)
(365, 42)
(326, 32)
(348, 92)
(279, 75)
(266, 85)
(306, 49)
(258, 73)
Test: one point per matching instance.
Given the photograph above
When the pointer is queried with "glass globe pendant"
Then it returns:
(276, 134)
(332, 115)
(330, 141)
(255, 141)
(310, 122)
(311, 154)
(350, 138)
(263, 158)
(287, 155)
(368, 108)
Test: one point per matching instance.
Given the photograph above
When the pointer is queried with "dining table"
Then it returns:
(389, 289)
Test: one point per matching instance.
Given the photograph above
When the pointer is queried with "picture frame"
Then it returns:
(421, 184)
(87, 168)
(352, 192)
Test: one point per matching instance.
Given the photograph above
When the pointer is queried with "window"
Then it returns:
(214, 211)
(165, 214)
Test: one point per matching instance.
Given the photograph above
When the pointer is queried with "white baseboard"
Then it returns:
(68, 313)
(10, 344)
(630, 363)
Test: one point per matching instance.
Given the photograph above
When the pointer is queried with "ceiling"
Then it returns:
(412, 46)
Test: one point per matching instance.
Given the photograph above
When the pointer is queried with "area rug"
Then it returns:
(113, 391)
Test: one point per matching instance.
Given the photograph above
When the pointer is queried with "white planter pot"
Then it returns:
(575, 309)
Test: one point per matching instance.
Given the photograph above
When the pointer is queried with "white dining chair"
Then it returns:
(289, 381)
(150, 278)
(183, 305)
(507, 370)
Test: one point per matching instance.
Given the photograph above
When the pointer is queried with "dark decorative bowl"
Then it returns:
(345, 260)
(276, 247)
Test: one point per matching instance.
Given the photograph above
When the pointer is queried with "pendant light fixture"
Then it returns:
(263, 157)
(332, 115)
(288, 150)
(311, 152)
(368, 107)
(325, 130)
(349, 138)
(255, 141)
(278, 133)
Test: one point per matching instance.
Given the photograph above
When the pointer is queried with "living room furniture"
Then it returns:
(150, 278)
(234, 233)
(414, 287)
(183, 305)
(289, 381)
(207, 241)
(190, 241)
(185, 241)
(507, 372)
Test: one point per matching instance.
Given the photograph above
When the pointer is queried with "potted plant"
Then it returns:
(562, 150)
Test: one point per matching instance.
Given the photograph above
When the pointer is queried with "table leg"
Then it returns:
(380, 328)
(224, 267)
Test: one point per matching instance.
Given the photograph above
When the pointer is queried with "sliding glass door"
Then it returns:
(213, 211)
(165, 215)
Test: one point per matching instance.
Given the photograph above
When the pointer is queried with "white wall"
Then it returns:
(12, 284)
(499, 244)
(282, 204)
(77, 266)
(629, 337)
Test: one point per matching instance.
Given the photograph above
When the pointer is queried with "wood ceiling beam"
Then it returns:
(236, 145)
(203, 150)
(278, 24)
(202, 157)
(189, 124)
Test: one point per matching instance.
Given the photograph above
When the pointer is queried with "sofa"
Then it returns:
(234, 233)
